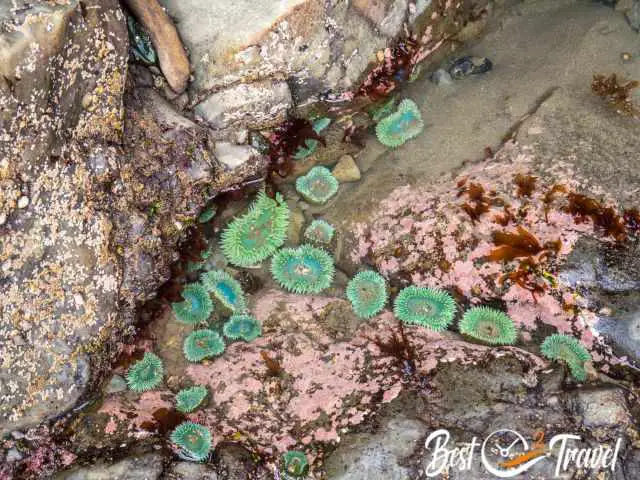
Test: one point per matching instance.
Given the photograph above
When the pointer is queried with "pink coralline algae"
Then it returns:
(498, 231)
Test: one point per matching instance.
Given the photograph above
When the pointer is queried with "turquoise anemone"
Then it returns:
(489, 326)
(189, 399)
(311, 143)
(225, 288)
(145, 374)
(425, 306)
(242, 326)
(294, 464)
(201, 344)
(569, 350)
(367, 292)
(318, 185)
(193, 440)
(405, 124)
(305, 269)
(319, 231)
(257, 234)
(196, 307)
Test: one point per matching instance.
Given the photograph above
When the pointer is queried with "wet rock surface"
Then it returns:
(145, 467)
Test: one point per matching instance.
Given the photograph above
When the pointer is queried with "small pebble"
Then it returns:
(13, 455)
(3, 218)
(346, 170)
(116, 384)
(626, 57)
(23, 202)
(441, 77)
(470, 65)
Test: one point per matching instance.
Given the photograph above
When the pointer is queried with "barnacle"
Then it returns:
(294, 464)
(201, 344)
(405, 124)
(257, 234)
(305, 269)
(319, 231)
(425, 306)
(225, 288)
(569, 350)
(145, 374)
(189, 399)
(317, 186)
(193, 440)
(242, 326)
(489, 326)
(196, 307)
(367, 292)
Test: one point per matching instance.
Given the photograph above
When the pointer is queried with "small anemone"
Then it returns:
(294, 464)
(305, 269)
(145, 374)
(225, 288)
(319, 231)
(196, 307)
(257, 234)
(310, 144)
(201, 344)
(207, 214)
(193, 440)
(569, 350)
(425, 306)
(318, 185)
(367, 292)
(489, 326)
(242, 326)
(405, 124)
(189, 399)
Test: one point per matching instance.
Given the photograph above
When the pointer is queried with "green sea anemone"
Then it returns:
(225, 288)
(385, 109)
(193, 440)
(305, 269)
(367, 292)
(294, 464)
(319, 231)
(189, 399)
(207, 214)
(489, 326)
(405, 124)
(317, 186)
(242, 326)
(311, 143)
(145, 374)
(196, 307)
(425, 306)
(257, 234)
(201, 344)
(569, 350)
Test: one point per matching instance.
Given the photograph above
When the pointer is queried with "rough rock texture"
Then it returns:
(92, 201)
(318, 47)
(146, 467)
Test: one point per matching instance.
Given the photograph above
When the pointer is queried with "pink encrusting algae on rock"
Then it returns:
(445, 236)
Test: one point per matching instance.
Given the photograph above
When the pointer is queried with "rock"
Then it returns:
(603, 412)
(116, 384)
(382, 455)
(470, 65)
(13, 455)
(386, 16)
(346, 170)
(254, 105)
(145, 467)
(190, 471)
(441, 77)
(633, 15)
(296, 221)
(171, 54)
(234, 156)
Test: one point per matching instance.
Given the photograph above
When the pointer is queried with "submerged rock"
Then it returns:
(145, 467)
(470, 65)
